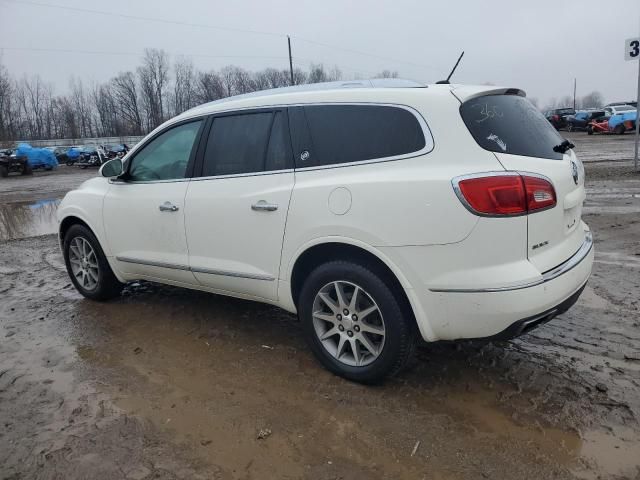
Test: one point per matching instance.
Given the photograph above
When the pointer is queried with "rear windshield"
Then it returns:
(510, 124)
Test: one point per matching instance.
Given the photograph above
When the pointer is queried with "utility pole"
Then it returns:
(574, 93)
(290, 59)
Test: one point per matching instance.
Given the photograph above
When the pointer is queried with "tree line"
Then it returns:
(132, 102)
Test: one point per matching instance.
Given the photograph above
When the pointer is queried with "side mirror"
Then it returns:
(112, 168)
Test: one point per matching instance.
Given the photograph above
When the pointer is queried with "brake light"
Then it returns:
(505, 195)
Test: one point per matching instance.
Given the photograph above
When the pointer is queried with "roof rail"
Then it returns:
(313, 87)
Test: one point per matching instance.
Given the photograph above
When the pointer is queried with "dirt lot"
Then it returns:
(167, 383)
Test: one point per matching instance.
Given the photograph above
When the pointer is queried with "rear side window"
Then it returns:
(247, 143)
(353, 133)
(510, 124)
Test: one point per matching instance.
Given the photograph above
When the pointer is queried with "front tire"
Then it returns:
(354, 322)
(87, 265)
(620, 129)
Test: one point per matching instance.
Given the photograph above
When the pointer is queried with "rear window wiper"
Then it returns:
(563, 147)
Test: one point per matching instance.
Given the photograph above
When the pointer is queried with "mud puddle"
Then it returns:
(28, 219)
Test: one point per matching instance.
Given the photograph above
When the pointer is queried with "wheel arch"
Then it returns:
(320, 252)
(67, 222)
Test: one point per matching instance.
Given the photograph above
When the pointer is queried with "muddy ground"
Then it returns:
(168, 383)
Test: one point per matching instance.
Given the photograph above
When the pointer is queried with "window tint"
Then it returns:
(237, 144)
(510, 124)
(351, 133)
(279, 156)
(166, 156)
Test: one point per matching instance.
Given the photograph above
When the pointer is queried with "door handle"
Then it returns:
(263, 206)
(168, 207)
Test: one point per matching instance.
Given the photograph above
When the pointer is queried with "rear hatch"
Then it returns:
(508, 124)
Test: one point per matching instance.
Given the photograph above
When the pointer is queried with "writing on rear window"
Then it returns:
(510, 124)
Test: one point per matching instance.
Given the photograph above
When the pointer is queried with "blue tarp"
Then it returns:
(73, 153)
(618, 118)
(37, 157)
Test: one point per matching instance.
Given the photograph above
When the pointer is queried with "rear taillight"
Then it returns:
(505, 194)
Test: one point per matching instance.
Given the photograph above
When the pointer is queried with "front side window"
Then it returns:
(353, 133)
(166, 156)
(247, 143)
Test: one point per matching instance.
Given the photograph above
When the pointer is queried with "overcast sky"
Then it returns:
(539, 46)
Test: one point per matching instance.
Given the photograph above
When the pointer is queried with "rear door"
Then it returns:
(236, 210)
(523, 141)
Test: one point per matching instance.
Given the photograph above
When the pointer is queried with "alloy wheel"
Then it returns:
(84, 263)
(348, 323)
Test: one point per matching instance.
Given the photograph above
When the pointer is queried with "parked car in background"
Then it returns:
(623, 121)
(558, 116)
(582, 118)
(614, 109)
(387, 237)
(631, 103)
(617, 119)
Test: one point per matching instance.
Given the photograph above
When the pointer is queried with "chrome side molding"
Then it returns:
(174, 266)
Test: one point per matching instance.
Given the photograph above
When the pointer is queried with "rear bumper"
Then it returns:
(503, 312)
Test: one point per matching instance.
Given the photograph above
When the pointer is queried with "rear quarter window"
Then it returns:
(352, 133)
(510, 124)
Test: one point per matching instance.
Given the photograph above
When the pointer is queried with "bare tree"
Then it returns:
(209, 87)
(387, 74)
(132, 103)
(6, 94)
(127, 101)
(82, 110)
(184, 94)
(153, 77)
(592, 100)
(566, 101)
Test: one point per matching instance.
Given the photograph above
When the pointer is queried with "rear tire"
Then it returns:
(338, 338)
(4, 171)
(569, 127)
(87, 265)
(620, 129)
(589, 130)
(27, 170)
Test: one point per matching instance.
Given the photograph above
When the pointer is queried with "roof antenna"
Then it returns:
(446, 82)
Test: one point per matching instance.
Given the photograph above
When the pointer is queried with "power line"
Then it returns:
(299, 60)
(358, 52)
(102, 52)
(217, 27)
(139, 17)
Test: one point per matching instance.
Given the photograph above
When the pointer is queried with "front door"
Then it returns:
(144, 211)
(236, 211)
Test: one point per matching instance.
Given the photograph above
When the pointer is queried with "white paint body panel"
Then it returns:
(403, 211)
(226, 235)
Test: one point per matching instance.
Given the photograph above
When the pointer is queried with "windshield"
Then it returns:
(626, 108)
(510, 124)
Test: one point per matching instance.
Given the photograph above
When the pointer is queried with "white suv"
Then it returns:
(379, 211)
